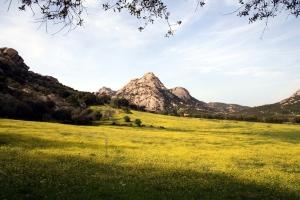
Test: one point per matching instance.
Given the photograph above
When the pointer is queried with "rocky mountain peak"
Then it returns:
(10, 57)
(150, 93)
(147, 91)
(149, 75)
(106, 91)
(181, 93)
(151, 80)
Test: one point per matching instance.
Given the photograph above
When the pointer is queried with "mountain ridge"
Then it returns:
(149, 92)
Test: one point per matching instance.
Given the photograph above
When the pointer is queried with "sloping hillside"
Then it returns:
(28, 95)
(286, 107)
(227, 108)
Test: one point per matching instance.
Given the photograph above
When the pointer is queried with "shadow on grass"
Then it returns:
(289, 137)
(29, 142)
(24, 176)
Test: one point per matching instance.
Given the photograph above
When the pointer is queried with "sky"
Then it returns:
(217, 56)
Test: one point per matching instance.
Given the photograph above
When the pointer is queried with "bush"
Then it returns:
(297, 120)
(119, 103)
(275, 119)
(126, 110)
(138, 122)
(126, 118)
(97, 116)
(103, 99)
(90, 99)
(85, 117)
(63, 115)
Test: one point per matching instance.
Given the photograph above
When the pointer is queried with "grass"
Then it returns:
(186, 159)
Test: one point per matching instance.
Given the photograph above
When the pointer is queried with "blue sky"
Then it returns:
(217, 57)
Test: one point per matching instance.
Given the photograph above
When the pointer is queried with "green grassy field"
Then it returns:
(169, 158)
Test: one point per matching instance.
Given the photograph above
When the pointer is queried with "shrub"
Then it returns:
(63, 115)
(297, 119)
(119, 103)
(275, 119)
(90, 99)
(126, 118)
(85, 117)
(97, 116)
(138, 122)
(103, 99)
(126, 110)
(106, 114)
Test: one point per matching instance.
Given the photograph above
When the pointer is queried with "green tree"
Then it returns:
(138, 122)
(126, 118)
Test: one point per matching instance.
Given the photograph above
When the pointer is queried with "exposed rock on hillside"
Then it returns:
(11, 57)
(105, 91)
(150, 93)
(147, 92)
(181, 93)
(294, 99)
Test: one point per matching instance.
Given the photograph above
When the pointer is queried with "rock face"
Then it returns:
(11, 57)
(105, 91)
(181, 93)
(149, 92)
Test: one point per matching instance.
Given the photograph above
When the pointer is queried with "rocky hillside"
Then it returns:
(286, 107)
(28, 95)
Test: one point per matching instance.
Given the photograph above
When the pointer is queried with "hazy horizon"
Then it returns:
(217, 57)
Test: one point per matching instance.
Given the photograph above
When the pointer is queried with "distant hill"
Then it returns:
(286, 107)
(28, 95)
(227, 108)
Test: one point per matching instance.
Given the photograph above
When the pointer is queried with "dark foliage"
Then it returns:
(69, 13)
(264, 9)
(103, 99)
(297, 120)
(126, 118)
(136, 107)
(119, 103)
(138, 122)
(85, 117)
